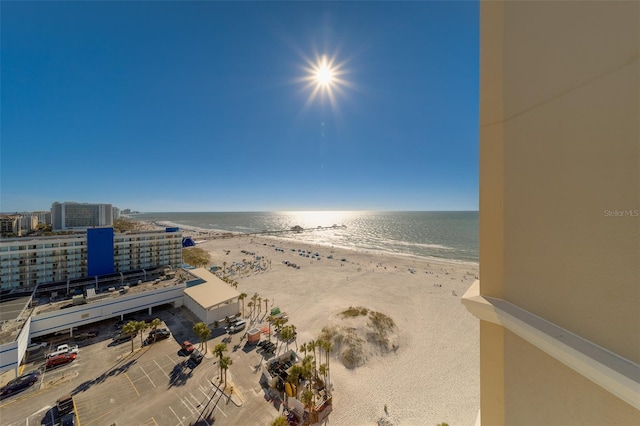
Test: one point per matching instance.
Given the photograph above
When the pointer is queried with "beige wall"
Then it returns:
(539, 390)
(571, 149)
(559, 153)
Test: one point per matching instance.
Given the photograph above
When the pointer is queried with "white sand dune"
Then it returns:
(433, 376)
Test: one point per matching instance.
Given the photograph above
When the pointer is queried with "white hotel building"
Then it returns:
(79, 216)
(27, 262)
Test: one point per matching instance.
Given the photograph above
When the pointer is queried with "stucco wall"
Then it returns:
(572, 153)
(209, 316)
(539, 390)
(559, 199)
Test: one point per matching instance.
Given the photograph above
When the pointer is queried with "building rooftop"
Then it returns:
(212, 291)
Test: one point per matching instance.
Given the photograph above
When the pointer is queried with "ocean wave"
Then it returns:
(423, 245)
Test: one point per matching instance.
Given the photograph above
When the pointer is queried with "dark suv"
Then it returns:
(160, 334)
(195, 359)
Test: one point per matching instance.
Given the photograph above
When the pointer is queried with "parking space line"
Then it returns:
(161, 369)
(174, 413)
(145, 373)
(223, 413)
(134, 386)
(212, 396)
(188, 408)
(75, 410)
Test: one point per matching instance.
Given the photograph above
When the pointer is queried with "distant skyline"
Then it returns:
(214, 106)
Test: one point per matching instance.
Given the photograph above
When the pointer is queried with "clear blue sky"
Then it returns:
(199, 106)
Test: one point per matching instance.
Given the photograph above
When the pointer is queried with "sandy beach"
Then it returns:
(431, 377)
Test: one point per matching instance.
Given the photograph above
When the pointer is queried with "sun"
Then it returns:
(324, 77)
(324, 74)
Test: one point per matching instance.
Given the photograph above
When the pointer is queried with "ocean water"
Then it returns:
(449, 235)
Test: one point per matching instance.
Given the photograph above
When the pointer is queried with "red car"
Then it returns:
(54, 361)
(188, 347)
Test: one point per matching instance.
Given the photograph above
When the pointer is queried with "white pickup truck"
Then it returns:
(63, 349)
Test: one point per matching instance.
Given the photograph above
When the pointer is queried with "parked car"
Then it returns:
(121, 323)
(60, 360)
(121, 337)
(64, 404)
(188, 347)
(37, 346)
(20, 383)
(159, 331)
(68, 420)
(195, 359)
(233, 322)
(65, 331)
(161, 334)
(86, 335)
(63, 349)
(238, 326)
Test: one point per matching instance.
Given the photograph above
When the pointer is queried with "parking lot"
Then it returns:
(151, 386)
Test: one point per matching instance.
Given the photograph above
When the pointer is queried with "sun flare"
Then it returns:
(324, 79)
(324, 75)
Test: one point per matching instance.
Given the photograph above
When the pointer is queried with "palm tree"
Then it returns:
(141, 326)
(269, 321)
(242, 297)
(312, 345)
(250, 306)
(308, 399)
(294, 335)
(218, 351)
(328, 347)
(303, 348)
(278, 323)
(154, 326)
(323, 369)
(254, 298)
(202, 331)
(224, 269)
(259, 304)
(266, 301)
(286, 335)
(308, 370)
(294, 376)
(280, 421)
(225, 363)
(130, 328)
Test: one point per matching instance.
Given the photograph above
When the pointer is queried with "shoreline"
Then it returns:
(218, 234)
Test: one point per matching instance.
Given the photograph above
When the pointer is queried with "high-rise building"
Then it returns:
(44, 217)
(559, 292)
(76, 216)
